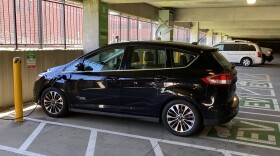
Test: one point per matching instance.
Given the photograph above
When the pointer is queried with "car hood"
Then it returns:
(57, 68)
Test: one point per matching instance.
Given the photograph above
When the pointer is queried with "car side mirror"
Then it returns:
(80, 67)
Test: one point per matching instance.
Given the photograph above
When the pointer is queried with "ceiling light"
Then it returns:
(250, 2)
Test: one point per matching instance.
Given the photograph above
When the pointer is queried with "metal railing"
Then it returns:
(40, 23)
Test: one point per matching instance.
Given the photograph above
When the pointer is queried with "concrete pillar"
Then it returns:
(195, 32)
(219, 37)
(225, 38)
(166, 28)
(90, 25)
(210, 36)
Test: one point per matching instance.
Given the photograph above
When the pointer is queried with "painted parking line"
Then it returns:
(253, 84)
(254, 77)
(156, 147)
(242, 91)
(32, 137)
(18, 151)
(225, 152)
(261, 114)
(251, 132)
(91, 143)
(263, 103)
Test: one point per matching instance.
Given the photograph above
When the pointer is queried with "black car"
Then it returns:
(183, 85)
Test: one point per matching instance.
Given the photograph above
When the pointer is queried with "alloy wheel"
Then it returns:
(246, 62)
(180, 118)
(53, 102)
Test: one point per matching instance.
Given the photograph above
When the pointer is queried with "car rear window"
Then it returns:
(221, 60)
(182, 58)
(246, 47)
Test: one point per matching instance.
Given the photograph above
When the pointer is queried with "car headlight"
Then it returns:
(39, 76)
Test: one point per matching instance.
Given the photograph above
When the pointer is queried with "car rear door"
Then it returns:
(145, 81)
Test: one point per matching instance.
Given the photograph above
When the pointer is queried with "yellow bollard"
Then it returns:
(18, 89)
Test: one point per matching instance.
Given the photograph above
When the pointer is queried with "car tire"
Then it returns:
(54, 103)
(181, 118)
(263, 59)
(246, 62)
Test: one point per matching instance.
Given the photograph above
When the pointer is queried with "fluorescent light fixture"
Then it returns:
(250, 2)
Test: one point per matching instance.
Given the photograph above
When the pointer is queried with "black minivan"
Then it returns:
(182, 85)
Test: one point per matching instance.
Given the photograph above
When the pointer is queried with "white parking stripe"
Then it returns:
(141, 137)
(91, 143)
(31, 138)
(156, 147)
(225, 152)
(17, 151)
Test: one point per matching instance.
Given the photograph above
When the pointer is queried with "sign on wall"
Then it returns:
(31, 59)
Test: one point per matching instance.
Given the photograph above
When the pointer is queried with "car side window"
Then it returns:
(182, 58)
(232, 47)
(108, 59)
(147, 58)
(220, 47)
(246, 47)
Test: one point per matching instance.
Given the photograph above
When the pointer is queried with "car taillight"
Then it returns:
(222, 79)
(259, 54)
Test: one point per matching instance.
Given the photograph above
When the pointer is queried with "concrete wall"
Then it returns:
(137, 9)
(44, 60)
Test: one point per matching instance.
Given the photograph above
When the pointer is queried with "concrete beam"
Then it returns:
(136, 1)
(139, 9)
(249, 32)
(228, 14)
(239, 24)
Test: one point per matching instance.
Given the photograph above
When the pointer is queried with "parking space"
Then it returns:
(255, 131)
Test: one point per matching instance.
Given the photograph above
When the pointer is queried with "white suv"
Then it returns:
(246, 53)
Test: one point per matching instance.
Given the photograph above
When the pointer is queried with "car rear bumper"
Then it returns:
(269, 58)
(221, 117)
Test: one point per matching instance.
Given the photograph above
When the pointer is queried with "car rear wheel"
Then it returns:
(181, 118)
(246, 62)
(54, 102)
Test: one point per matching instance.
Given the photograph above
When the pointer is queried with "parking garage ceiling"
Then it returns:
(234, 18)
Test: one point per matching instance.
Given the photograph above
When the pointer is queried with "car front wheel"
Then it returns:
(54, 102)
(181, 118)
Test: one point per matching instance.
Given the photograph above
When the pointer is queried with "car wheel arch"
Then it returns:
(48, 86)
(185, 98)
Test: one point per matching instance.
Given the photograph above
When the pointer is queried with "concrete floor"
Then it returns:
(255, 131)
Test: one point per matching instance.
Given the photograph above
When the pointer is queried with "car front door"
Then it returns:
(95, 84)
(145, 80)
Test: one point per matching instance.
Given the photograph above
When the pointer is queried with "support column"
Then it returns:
(165, 31)
(90, 25)
(195, 32)
(225, 38)
(219, 37)
(210, 36)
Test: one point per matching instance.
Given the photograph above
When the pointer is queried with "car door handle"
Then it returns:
(160, 78)
(112, 78)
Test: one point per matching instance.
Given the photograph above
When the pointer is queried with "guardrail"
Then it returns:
(40, 23)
